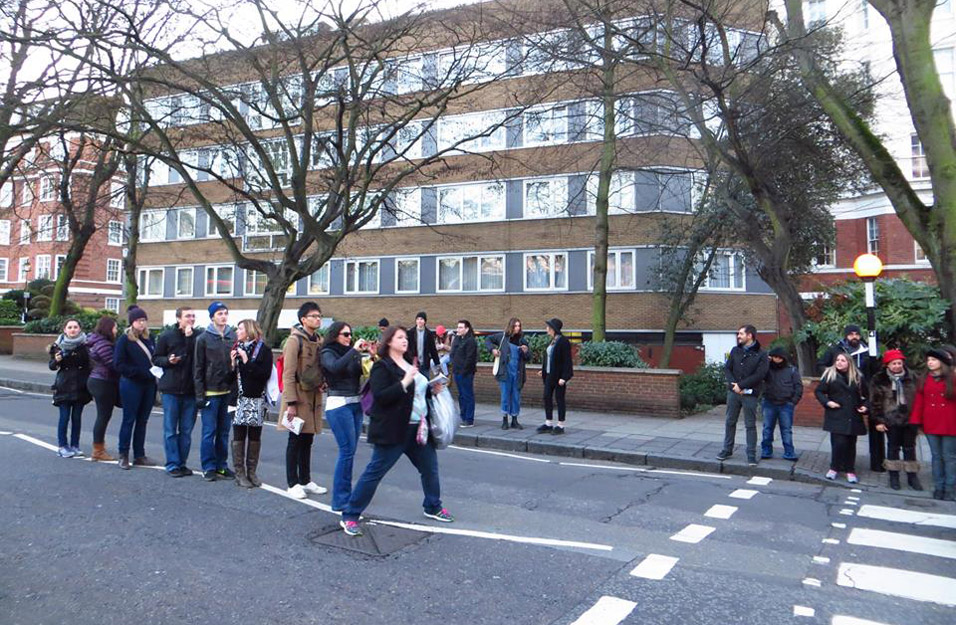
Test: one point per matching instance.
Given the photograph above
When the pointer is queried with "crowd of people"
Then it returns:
(861, 396)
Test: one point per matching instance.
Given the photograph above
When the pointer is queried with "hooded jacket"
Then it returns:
(212, 367)
(860, 356)
(783, 384)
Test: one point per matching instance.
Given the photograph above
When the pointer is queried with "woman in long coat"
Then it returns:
(843, 396)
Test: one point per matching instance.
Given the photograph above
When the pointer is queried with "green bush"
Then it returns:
(88, 319)
(369, 333)
(484, 354)
(9, 312)
(537, 346)
(705, 387)
(610, 354)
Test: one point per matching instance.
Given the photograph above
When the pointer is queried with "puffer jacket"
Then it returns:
(886, 409)
(212, 365)
(101, 358)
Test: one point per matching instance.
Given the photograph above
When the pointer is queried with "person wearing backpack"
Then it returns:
(302, 397)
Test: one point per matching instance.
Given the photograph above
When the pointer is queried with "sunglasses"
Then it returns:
(345, 334)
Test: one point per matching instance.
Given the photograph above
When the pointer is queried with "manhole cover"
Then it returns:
(376, 540)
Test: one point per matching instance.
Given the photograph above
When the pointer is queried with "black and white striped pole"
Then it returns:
(868, 268)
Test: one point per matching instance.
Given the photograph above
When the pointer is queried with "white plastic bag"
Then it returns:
(443, 419)
(272, 387)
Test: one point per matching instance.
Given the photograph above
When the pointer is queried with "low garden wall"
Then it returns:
(32, 346)
(638, 391)
(6, 338)
(809, 412)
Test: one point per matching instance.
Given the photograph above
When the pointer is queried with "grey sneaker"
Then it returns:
(77, 452)
(65, 452)
(724, 454)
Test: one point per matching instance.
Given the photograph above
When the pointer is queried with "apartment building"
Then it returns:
(34, 228)
(867, 223)
(504, 229)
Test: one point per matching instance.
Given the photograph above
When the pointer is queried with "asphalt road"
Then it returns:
(537, 540)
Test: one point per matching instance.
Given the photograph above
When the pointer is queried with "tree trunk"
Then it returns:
(601, 204)
(670, 330)
(789, 296)
(270, 306)
(66, 272)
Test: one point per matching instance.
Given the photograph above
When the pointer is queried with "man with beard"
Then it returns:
(853, 346)
(782, 392)
(745, 370)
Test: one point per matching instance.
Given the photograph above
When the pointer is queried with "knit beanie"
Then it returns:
(216, 307)
(134, 312)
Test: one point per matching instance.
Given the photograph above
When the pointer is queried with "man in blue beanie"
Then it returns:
(214, 378)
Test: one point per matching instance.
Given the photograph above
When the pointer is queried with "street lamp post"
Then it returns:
(26, 293)
(868, 268)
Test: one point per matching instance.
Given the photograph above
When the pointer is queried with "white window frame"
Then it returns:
(553, 119)
(216, 269)
(616, 285)
(479, 259)
(27, 196)
(829, 255)
(320, 289)
(191, 282)
(734, 258)
(47, 264)
(26, 231)
(228, 214)
(142, 281)
(23, 274)
(418, 274)
(117, 195)
(118, 264)
(62, 228)
(45, 228)
(919, 255)
(177, 217)
(6, 195)
(872, 236)
(622, 196)
(552, 256)
(113, 304)
(4, 270)
(356, 263)
(58, 261)
(47, 189)
(114, 233)
(407, 207)
(150, 219)
(458, 127)
(5, 226)
(560, 191)
(491, 203)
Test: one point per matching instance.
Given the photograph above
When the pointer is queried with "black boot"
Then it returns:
(515, 425)
(124, 462)
(504, 422)
(895, 480)
(913, 480)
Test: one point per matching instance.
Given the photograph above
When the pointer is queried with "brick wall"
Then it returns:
(637, 391)
(809, 412)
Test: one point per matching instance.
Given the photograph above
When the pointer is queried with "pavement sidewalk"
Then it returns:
(690, 443)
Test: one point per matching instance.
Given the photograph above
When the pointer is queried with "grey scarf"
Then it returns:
(897, 381)
(67, 345)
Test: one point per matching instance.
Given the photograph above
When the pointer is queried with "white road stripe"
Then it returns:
(839, 619)
(5, 433)
(839, 526)
(693, 533)
(914, 517)
(654, 566)
(36, 441)
(847, 511)
(821, 560)
(898, 583)
(855, 490)
(15, 390)
(853, 498)
(720, 511)
(530, 540)
(903, 542)
(497, 453)
(744, 493)
(759, 481)
(812, 582)
(607, 611)
(309, 502)
(831, 541)
(849, 502)
(802, 610)
(643, 470)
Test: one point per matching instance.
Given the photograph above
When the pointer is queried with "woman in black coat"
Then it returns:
(70, 358)
(843, 396)
(252, 362)
(400, 395)
(556, 371)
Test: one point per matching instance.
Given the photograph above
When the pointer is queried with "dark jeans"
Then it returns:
(214, 446)
(179, 417)
(346, 424)
(558, 393)
(943, 449)
(138, 399)
(901, 437)
(104, 393)
(734, 404)
(70, 413)
(772, 413)
(298, 459)
(877, 447)
(466, 396)
(842, 452)
(384, 458)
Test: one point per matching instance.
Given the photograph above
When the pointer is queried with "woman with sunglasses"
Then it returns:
(342, 367)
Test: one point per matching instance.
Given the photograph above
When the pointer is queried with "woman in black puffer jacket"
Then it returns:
(843, 395)
(70, 358)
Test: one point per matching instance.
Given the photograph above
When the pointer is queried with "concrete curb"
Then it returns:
(22, 385)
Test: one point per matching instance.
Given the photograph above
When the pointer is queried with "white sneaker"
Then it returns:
(297, 492)
(65, 452)
(315, 489)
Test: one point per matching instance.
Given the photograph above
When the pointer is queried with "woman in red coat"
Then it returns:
(934, 410)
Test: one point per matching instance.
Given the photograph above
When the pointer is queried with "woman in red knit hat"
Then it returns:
(934, 410)
(892, 392)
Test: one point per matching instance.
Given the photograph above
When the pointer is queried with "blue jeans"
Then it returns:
(71, 412)
(466, 396)
(179, 417)
(749, 405)
(346, 424)
(510, 396)
(943, 449)
(384, 458)
(214, 447)
(772, 413)
(138, 399)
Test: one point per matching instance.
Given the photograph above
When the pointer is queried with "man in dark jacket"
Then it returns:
(853, 346)
(175, 351)
(421, 344)
(214, 378)
(892, 393)
(745, 370)
(556, 372)
(464, 363)
(783, 388)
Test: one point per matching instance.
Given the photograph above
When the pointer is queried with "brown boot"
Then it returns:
(239, 463)
(99, 453)
(252, 462)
